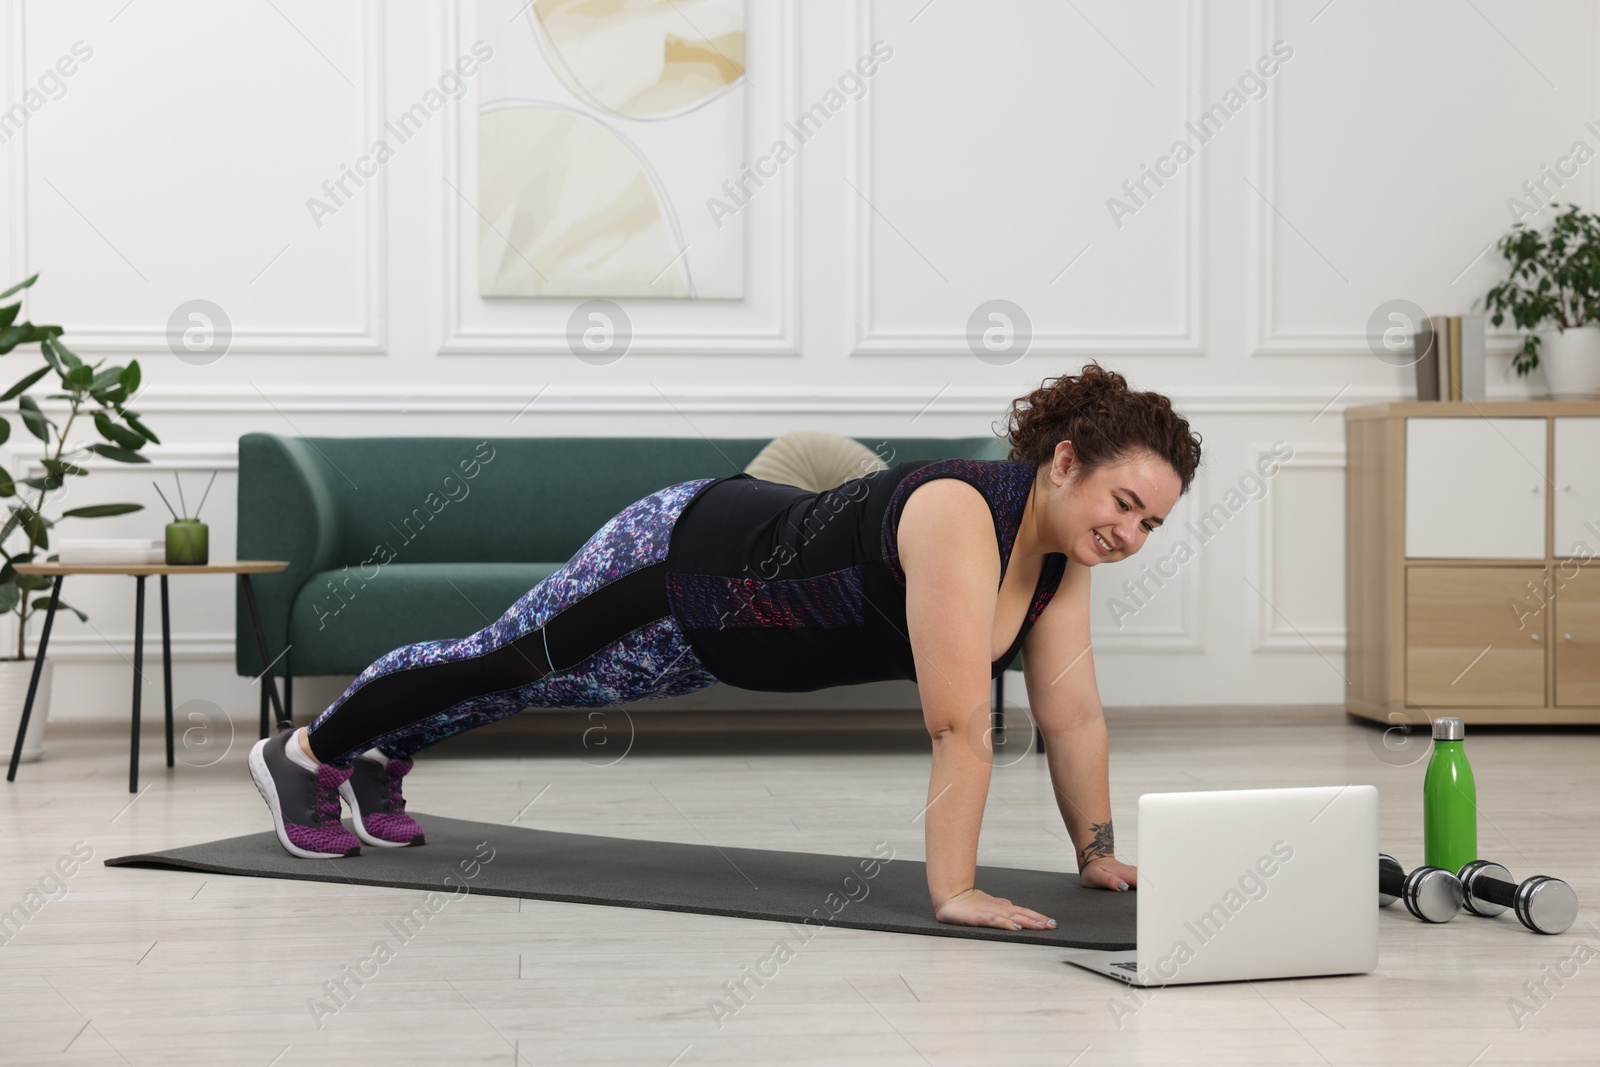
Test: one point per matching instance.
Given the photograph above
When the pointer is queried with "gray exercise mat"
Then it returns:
(881, 891)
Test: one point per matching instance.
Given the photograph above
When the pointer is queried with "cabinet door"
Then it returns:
(1577, 480)
(1475, 636)
(1475, 488)
(1577, 632)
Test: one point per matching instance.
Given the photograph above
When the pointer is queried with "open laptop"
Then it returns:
(1252, 883)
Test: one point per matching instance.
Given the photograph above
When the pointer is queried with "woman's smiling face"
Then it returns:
(1106, 515)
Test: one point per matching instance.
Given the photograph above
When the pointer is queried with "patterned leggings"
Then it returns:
(452, 685)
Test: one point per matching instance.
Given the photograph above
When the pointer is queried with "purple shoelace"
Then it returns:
(326, 807)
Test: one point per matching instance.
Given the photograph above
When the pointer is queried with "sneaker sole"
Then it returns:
(269, 792)
(349, 794)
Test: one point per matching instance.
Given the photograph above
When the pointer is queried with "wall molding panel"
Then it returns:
(874, 341)
(132, 340)
(1276, 630)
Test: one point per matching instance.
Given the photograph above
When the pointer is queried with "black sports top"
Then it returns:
(779, 589)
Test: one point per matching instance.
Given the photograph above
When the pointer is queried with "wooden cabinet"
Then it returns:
(1473, 561)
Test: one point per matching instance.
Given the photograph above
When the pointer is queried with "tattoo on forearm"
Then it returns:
(1100, 846)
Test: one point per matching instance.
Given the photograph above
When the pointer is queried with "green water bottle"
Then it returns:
(1449, 800)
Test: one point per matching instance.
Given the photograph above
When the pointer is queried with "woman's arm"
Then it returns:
(952, 564)
(1078, 757)
(1058, 666)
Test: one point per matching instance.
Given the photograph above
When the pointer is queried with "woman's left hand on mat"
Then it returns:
(1108, 872)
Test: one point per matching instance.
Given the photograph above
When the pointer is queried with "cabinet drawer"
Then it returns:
(1475, 488)
(1464, 647)
(1576, 632)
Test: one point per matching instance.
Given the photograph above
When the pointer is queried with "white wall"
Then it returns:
(177, 163)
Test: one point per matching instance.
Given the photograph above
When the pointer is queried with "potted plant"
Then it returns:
(1554, 282)
(108, 388)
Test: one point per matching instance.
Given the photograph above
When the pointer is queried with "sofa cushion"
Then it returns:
(354, 615)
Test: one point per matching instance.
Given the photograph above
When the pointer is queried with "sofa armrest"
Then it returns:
(286, 510)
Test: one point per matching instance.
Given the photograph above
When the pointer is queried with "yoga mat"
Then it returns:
(882, 891)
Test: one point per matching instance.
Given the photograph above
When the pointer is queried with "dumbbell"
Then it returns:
(1544, 905)
(1432, 894)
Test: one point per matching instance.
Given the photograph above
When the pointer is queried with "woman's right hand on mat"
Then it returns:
(977, 908)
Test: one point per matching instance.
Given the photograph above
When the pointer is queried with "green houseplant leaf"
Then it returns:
(19, 287)
(95, 511)
(116, 434)
(121, 455)
(34, 419)
(133, 420)
(11, 394)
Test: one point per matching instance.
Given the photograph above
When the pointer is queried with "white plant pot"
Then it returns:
(15, 674)
(1571, 362)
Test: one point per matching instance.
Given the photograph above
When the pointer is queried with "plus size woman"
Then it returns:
(931, 571)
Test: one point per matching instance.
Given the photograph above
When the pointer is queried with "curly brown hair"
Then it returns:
(1105, 421)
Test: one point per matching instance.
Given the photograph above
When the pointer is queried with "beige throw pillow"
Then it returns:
(814, 460)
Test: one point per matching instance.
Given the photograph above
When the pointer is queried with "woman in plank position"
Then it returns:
(932, 571)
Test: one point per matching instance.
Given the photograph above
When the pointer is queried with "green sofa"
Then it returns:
(393, 540)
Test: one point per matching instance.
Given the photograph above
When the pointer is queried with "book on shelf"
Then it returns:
(1450, 357)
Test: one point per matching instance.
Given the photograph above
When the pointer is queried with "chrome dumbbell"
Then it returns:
(1544, 905)
(1432, 894)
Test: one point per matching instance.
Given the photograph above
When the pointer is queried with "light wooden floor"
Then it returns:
(144, 966)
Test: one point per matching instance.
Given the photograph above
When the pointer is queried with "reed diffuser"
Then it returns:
(187, 539)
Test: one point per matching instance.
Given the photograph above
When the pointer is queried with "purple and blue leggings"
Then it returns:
(419, 694)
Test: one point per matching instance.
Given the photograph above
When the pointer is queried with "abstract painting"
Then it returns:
(603, 128)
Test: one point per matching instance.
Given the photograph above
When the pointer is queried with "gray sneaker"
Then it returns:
(373, 793)
(304, 804)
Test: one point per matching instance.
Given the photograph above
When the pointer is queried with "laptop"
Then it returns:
(1252, 883)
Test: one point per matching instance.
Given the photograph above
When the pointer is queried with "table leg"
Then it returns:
(138, 679)
(270, 686)
(166, 663)
(33, 684)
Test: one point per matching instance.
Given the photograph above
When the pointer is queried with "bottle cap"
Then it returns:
(1448, 728)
